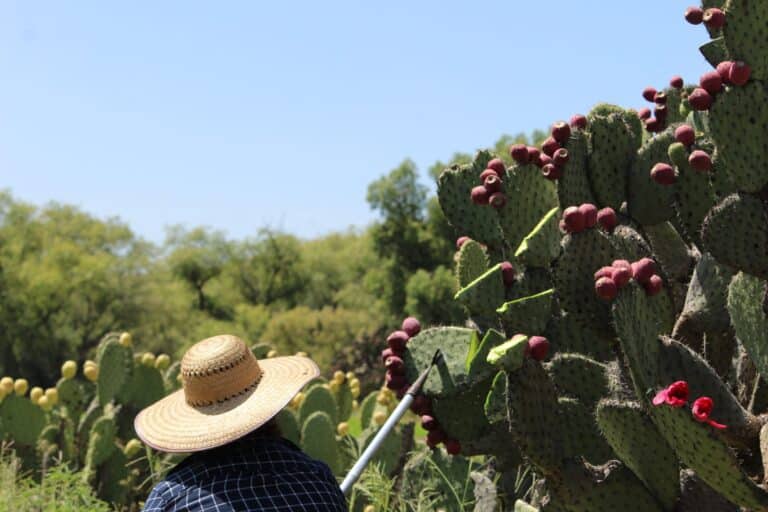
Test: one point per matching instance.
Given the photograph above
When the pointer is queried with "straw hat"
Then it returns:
(227, 393)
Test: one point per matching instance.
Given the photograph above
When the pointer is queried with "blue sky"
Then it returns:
(243, 114)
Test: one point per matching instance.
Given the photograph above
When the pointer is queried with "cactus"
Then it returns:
(318, 440)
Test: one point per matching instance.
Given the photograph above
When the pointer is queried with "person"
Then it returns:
(224, 415)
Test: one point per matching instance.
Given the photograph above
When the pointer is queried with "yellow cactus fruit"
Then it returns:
(354, 382)
(7, 384)
(20, 387)
(382, 399)
(297, 400)
(379, 417)
(88, 363)
(178, 378)
(342, 428)
(272, 353)
(68, 369)
(3, 393)
(163, 361)
(132, 448)
(91, 372)
(355, 391)
(350, 375)
(148, 359)
(355, 405)
(334, 386)
(52, 394)
(369, 508)
(301, 354)
(338, 376)
(35, 393)
(125, 339)
(43, 403)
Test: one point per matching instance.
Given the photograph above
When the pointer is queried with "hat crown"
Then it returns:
(217, 369)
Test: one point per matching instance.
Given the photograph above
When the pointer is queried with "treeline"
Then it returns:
(67, 278)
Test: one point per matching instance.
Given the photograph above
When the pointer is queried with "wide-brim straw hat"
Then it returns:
(227, 393)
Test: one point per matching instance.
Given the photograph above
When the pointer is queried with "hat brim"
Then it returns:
(172, 425)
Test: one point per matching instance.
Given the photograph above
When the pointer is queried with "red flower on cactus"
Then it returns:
(701, 410)
(676, 394)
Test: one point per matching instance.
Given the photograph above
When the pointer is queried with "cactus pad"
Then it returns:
(289, 426)
(318, 439)
(746, 303)
(450, 374)
(542, 245)
(649, 202)
(471, 263)
(483, 295)
(580, 377)
(21, 419)
(527, 314)
(574, 186)
(745, 34)
(115, 368)
(582, 438)
(318, 398)
(529, 197)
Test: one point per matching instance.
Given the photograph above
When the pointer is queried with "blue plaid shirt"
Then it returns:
(265, 474)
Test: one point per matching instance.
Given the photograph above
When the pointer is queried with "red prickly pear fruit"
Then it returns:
(561, 132)
(400, 393)
(560, 157)
(544, 160)
(660, 98)
(653, 285)
(552, 172)
(452, 446)
(538, 348)
(700, 161)
(387, 353)
(461, 241)
(589, 211)
(436, 436)
(549, 146)
(694, 15)
(711, 82)
(394, 381)
(480, 195)
(700, 99)
(574, 219)
(428, 423)
(649, 93)
(660, 112)
(621, 276)
(606, 217)
(519, 153)
(663, 174)
(653, 125)
(684, 134)
(606, 289)
(486, 173)
(644, 113)
(676, 82)
(604, 272)
(643, 269)
(421, 405)
(492, 183)
(622, 264)
(395, 365)
(498, 200)
(724, 70)
(579, 121)
(533, 154)
(739, 73)
(398, 340)
(497, 164)
(507, 273)
(411, 326)
(713, 18)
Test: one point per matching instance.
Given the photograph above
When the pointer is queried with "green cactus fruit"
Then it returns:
(715, 51)
(527, 314)
(115, 364)
(746, 304)
(21, 419)
(319, 398)
(745, 20)
(483, 295)
(289, 426)
(454, 185)
(583, 254)
(568, 334)
(477, 366)
(649, 202)
(144, 387)
(735, 232)
(735, 117)
(388, 455)
(574, 186)
(613, 142)
(580, 377)
(638, 444)
(581, 438)
(367, 407)
(471, 263)
(529, 197)
(542, 244)
(510, 355)
(318, 439)
(699, 447)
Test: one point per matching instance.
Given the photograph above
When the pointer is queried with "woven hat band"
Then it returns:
(219, 384)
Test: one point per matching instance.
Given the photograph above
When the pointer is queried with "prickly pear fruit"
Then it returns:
(739, 72)
(20, 387)
(694, 15)
(342, 428)
(663, 174)
(649, 93)
(497, 200)
(397, 340)
(148, 359)
(519, 153)
(579, 121)
(497, 164)
(561, 132)
(91, 372)
(538, 347)
(606, 288)
(68, 369)
(452, 446)
(589, 211)
(35, 393)
(479, 195)
(379, 417)
(507, 273)
(163, 361)
(700, 161)
(125, 339)
(653, 285)
(411, 326)
(574, 219)
(685, 135)
(643, 269)
(53, 395)
(713, 18)
(700, 99)
(606, 217)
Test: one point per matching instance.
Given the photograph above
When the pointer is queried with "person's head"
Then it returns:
(226, 394)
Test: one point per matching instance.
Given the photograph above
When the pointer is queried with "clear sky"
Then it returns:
(241, 114)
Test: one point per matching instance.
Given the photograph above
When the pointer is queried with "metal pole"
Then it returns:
(385, 429)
